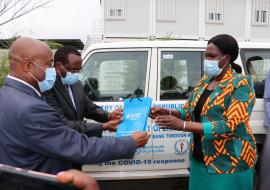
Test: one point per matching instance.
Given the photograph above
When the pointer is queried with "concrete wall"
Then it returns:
(260, 33)
(186, 24)
(234, 20)
(140, 21)
(136, 21)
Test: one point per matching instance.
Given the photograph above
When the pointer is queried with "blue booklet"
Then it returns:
(136, 111)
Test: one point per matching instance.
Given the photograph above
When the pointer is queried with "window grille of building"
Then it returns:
(166, 10)
(260, 12)
(214, 11)
(115, 9)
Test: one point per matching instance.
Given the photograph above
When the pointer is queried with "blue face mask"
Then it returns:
(71, 78)
(211, 67)
(48, 82)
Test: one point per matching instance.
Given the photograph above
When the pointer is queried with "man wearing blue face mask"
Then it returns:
(50, 76)
(68, 98)
(70, 101)
(32, 135)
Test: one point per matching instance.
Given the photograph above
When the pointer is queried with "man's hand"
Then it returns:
(169, 122)
(112, 125)
(157, 111)
(141, 138)
(116, 114)
(78, 179)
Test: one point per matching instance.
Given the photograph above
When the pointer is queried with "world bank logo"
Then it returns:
(181, 146)
(138, 151)
(133, 116)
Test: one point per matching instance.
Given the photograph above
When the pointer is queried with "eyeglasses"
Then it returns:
(72, 71)
(47, 66)
(76, 71)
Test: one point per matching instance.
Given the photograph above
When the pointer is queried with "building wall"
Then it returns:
(186, 24)
(190, 23)
(135, 24)
(234, 20)
(260, 33)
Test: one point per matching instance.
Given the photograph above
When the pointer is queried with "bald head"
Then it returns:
(27, 57)
(27, 48)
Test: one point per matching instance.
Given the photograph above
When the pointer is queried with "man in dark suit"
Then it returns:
(70, 101)
(32, 135)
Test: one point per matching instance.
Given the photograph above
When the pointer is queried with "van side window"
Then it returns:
(113, 76)
(179, 74)
(256, 64)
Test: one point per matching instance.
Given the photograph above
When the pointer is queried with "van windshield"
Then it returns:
(113, 76)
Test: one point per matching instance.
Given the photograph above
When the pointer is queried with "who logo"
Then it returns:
(181, 146)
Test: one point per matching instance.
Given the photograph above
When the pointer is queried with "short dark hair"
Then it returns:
(254, 58)
(61, 55)
(227, 45)
(168, 83)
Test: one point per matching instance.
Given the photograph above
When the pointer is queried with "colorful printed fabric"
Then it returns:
(228, 143)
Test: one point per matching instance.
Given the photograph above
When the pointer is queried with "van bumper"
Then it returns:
(128, 175)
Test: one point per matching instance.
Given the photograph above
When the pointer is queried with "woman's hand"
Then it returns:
(158, 111)
(169, 122)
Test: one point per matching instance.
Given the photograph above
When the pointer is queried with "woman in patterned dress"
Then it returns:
(217, 113)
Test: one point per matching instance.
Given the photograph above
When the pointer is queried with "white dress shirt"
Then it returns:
(21, 81)
(71, 95)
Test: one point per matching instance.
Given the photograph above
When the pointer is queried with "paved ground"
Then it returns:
(153, 184)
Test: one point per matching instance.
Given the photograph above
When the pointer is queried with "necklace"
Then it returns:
(212, 85)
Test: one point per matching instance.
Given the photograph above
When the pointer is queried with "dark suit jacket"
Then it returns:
(60, 100)
(33, 136)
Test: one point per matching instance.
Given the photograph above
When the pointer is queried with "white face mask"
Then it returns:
(211, 67)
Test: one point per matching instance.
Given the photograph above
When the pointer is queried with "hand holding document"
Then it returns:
(112, 125)
(116, 114)
(136, 111)
(157, 111)
(141, 138)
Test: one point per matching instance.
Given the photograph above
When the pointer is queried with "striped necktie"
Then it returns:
(67, 89)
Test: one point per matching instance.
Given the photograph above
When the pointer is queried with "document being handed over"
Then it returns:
(136, 111)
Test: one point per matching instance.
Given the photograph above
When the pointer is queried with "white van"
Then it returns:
(167, 71)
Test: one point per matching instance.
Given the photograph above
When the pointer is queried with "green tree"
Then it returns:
(3, 68)
(52, 44)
